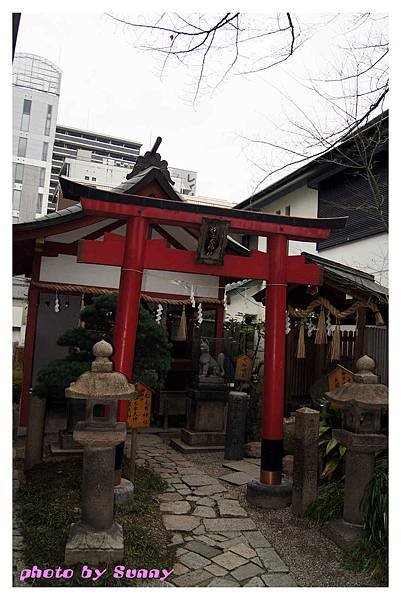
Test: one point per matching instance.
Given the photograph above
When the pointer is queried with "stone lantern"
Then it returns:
(361, 402)
(97, 538)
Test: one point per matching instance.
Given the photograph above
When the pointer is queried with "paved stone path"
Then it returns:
(217, 544)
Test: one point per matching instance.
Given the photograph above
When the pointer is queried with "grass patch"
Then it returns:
(365, 557)
(50, 500)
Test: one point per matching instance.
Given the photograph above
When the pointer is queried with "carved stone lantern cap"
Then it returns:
(101, 381)
(364, 388)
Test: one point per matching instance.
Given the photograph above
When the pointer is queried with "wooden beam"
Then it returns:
(161, 258)
(173, 214)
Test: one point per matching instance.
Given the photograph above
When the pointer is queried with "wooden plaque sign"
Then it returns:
(139, 410)
(243, 368)
(212, 241)
(338, 377)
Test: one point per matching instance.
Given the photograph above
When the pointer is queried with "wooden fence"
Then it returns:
(301, 373)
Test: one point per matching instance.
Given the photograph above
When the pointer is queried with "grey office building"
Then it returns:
(36, 90)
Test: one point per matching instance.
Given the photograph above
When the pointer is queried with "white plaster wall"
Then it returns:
(369, 254)
(65, 269)
(241, 301)
(302, 203)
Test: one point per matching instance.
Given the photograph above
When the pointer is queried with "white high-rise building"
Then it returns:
(36, 90)
(94, 157)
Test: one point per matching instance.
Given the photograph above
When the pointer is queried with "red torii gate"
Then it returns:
(135, 252)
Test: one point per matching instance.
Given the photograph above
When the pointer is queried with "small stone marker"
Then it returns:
(304, 490)
(35, 433)
(236, 424)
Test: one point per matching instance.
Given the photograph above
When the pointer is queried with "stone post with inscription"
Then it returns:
(305, 476)
(236, 425)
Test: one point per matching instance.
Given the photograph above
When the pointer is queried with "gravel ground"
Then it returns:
(313, 559)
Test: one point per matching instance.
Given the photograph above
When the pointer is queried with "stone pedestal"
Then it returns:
(96, 536)
(92, 547)
(206, 414)
(359, 467)
(269, 496)
(36, 430)
(306, 459)
(236, 425)
(123, 492)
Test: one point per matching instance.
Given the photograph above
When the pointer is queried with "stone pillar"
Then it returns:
(236, 425)
(98, 493)
(305, 478)
(36, 431)
(359, 468)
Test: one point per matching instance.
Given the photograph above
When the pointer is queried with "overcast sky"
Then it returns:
(110, 87)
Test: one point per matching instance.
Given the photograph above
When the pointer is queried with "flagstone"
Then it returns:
(204, 511)
(170, 496)
(228, 524)
(176, 508)
(193, 578)
(200, 479)
(180, 569)
(202, 548)
(237, 478)
(200, 530)
(204, 501)
(208, 490)
(229, 560)
(246, 571)
(254, 582)
(223, 582)
(231, 508)
(194, 560)
(243, 550)
(272, 561)
(279, 580)
(176, 539)
(216, 570)
(257, 540)
(180, 522)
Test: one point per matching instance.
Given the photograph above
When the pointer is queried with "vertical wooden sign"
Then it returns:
(139, 410)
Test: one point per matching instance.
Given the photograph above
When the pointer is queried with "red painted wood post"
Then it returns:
(29, 345)
(127, 314)
(274, 361)
(219, 322)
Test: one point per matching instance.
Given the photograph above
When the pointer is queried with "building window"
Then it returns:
(18, 172)
(288, 210)
(26, 115)
(278, 212)
(39, 203)
(16, 199)
(86, 177)
(93, 178)
(45, 150)
(42, 176)
(48, 119)
(22, 147)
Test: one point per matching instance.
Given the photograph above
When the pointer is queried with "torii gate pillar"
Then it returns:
(274, 361)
